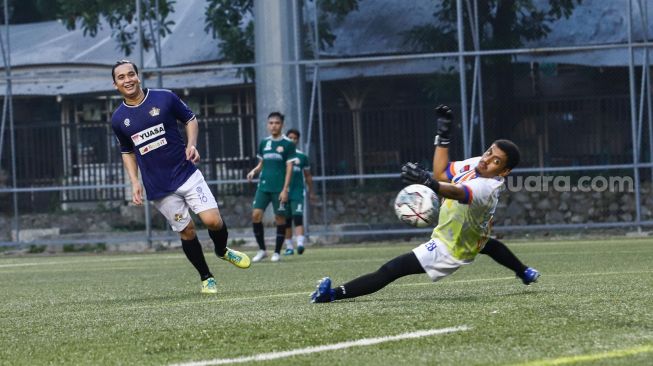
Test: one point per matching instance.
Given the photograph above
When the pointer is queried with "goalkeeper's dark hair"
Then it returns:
(511, 150)
(122, 62)
(293, 131)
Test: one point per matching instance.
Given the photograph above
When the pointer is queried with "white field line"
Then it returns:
(326, 347)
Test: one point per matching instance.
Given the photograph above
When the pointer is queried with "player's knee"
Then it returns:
(257, 216)
(188, 233)
(280, 220)
(288, 222)
(298, 220)
(211, 219)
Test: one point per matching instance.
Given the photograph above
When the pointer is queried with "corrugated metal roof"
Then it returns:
(50, 60)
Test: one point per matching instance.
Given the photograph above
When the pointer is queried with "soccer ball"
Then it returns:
(417, 205)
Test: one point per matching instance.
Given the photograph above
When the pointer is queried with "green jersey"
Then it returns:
(300, 164)
(274, 154)
(464, 226)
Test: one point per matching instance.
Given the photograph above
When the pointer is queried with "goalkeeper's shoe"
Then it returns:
(324, 292)
(289, 251)
(209, 287)
(238, 259)
(529, 276)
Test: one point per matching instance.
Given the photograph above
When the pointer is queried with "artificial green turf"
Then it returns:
(594, 300)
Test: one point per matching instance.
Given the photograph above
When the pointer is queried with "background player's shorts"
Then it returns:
(296, 205)
(194, 194)
(436, 260)
(263, 199)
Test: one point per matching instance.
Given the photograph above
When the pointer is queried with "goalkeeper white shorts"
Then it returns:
(436, 260)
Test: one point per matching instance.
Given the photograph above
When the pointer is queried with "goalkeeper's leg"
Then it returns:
(403, 265)
(502, 255)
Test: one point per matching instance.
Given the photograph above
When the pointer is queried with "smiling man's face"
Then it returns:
(126, 81)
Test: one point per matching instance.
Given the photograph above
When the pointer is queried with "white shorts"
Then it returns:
(194, 194)
(436, 260)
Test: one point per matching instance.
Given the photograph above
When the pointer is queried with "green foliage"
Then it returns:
(84, 248)
(27, 11)
(121, 18)
(502, 24)
(232, 22)
(236, 243)
(35, 249)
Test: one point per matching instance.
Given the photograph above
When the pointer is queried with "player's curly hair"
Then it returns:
(511, 150)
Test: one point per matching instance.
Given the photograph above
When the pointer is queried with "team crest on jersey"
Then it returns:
(178, 217)
(268, 146)
(465, 168)
(280, 149)
(127, 122)
(154, 111)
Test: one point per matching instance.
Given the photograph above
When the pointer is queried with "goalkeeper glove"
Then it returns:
(412, 173)
(445, 118)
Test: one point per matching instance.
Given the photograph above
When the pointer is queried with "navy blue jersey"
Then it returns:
(150, 131)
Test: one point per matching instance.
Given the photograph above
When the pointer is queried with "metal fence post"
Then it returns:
(633, 115)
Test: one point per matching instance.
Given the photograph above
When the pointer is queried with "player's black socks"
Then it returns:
(258, 234)
(220, 238)
(403, 265)
(193, 250)
(502, 255)
(281, 236)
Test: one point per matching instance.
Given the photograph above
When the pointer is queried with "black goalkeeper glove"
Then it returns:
(412, 173)
(444, 121)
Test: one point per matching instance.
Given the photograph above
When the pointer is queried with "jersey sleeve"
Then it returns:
(306, 163)
(291, 153)
(456, 167)
(295, 159)
(126, 145)
(180, 110)
(259, 151)
(480, 191)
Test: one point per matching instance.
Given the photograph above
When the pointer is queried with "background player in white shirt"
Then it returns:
(470, 191)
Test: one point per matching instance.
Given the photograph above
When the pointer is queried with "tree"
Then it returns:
(28, 11)
(232, 22)
(120, 16)
(503, 24)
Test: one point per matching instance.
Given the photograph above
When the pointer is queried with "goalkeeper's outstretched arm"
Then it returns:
(412, 173)
(442, 140)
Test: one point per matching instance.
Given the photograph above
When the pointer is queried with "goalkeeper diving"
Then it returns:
(469, 190)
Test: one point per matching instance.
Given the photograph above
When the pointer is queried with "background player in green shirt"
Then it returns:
(274, 153)
(470, 192)
(301, 172)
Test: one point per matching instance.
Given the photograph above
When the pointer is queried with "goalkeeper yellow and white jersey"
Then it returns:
(464, 226)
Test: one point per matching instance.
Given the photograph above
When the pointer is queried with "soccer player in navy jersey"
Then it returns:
(145, 125)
